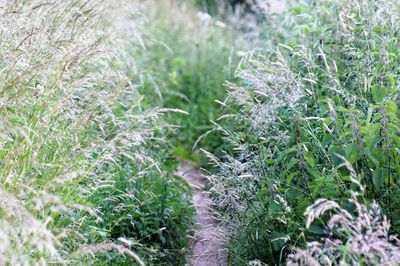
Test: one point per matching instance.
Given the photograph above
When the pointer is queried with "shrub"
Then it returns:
(325, 100)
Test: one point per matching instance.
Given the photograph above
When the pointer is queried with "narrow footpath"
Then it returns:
(208, 246)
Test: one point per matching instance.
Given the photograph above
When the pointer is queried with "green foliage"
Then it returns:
(317, 118)
(151, 210)
(86, 176)
(187, 58)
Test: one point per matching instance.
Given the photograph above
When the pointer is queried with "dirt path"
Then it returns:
(208, 246)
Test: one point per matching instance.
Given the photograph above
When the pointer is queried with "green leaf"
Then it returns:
(289, 178)
(372, 134)
(310, 160)
(336, 150)
(303, 204)
(353, 153)
(372, 157)
(316, 229)
(293, 161)
(274, 208)
(379, 178)
(391, 110)
(378, 29)
(378, 93)
(392, 80)
(278, 240)
(396, 217)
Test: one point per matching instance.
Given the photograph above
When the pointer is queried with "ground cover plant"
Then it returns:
(318, 117)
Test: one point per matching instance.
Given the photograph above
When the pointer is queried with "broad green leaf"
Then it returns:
(289, 178)
(353, 153)
(379, 178)
(278, 240)
(372, 157)
(391, 110)
(316, 229)
(392, 80)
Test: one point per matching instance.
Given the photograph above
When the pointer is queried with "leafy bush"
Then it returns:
(77, 158)
(324, 103)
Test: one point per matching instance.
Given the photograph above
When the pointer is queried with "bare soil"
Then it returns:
(208, 245)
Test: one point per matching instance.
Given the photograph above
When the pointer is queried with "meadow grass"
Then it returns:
(81, 180)
(188, 57)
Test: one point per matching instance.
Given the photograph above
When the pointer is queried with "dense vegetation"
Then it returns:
(84, 167)
(318, 118)
(296, 110)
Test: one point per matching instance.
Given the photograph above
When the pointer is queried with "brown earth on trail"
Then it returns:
(208, 245)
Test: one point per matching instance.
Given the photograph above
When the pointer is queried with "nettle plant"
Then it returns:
(326, 99)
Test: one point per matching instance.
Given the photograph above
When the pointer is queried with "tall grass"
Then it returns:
(355, 239)
(79, 173)
(189, 55)
(317, 117)
(187, 58)
(98, 98)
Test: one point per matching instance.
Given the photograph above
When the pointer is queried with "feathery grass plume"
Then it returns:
(22, 235)
(353, 239)
(107, 246)
(269, 84)
(317, 120)
(43, 48)
(148, 204)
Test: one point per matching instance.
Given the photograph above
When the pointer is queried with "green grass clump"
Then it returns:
(84, 167)
(317, 118)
